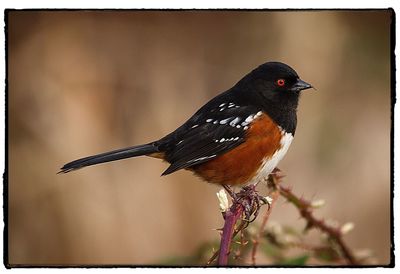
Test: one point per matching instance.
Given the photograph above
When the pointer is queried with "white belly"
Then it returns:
(270, 163)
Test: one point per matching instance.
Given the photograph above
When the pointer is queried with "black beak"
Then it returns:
(301, 85)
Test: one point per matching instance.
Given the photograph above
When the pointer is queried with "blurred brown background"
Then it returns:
(83, 82)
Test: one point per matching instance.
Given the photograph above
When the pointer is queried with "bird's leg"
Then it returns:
(275, 171)
(230, 192)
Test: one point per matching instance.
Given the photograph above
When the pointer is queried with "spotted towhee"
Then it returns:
(237, 138)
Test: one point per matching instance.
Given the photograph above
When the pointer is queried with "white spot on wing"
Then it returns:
(249, 119)
(202, 158)
(223, 122)
(234, 122)
(227, 140)
(209, 120)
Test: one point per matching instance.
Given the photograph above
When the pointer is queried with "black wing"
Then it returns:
(215, 129)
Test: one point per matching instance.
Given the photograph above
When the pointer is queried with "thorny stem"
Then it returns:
(240, 228)
(231, 217)
(305, 210)
(246, 203)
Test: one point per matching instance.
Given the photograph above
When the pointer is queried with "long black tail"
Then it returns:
(110, 156)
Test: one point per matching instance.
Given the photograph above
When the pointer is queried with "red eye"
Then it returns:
(280, 82)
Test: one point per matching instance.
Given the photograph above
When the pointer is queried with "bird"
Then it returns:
(235, 139)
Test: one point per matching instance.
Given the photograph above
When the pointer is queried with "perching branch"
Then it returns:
(231, 217)
(246, 204)
(239, 228)
(306, 212)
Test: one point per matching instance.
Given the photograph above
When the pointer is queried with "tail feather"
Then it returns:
(110, 156)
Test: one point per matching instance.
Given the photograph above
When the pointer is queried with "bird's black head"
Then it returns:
(275, 82)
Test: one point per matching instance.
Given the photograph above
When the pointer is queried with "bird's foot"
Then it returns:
(249, 199)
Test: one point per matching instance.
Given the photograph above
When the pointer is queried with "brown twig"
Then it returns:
(274, 195)
(305, 210)
(273, 180)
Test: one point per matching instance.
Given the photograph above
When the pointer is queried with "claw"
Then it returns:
(230, 192)
(250, 200)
